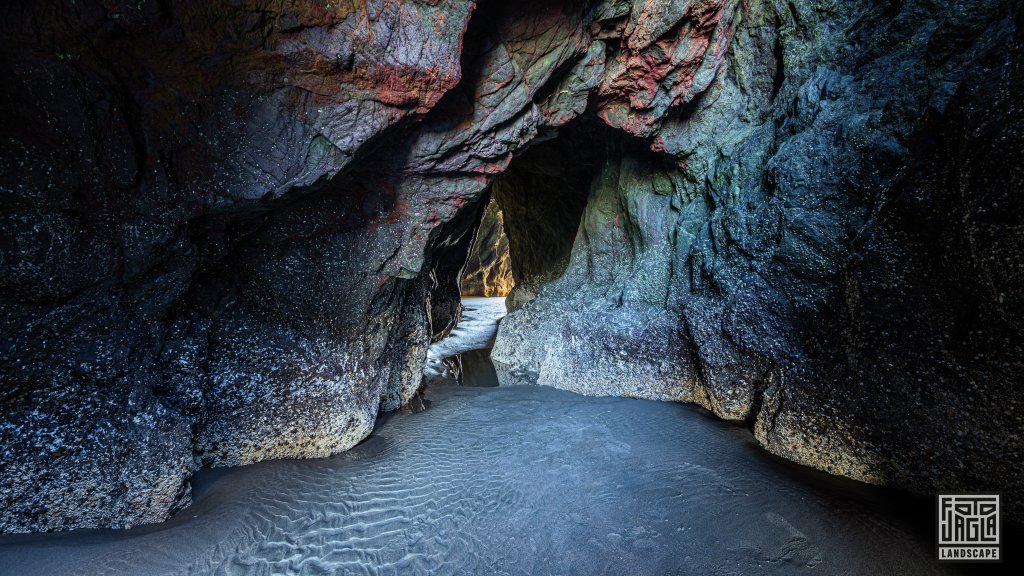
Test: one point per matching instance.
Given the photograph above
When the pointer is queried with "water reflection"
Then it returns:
(472, 368)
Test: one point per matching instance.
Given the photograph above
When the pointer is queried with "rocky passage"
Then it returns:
(233, 229)
(517, 480)
(488, 271)
(475, 333)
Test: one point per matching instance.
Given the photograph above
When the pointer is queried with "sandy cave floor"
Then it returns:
(517, 480)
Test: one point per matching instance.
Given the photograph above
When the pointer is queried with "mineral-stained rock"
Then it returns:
(231, 229)
(667, 52)
(822, 258)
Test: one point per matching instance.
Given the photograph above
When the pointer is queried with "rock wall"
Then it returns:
(227, 223)
(825, 243)
(488, 270)
(232, 229)
(190, 268)
(542, 197)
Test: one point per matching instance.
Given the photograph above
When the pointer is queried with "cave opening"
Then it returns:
(527, 228)
(488, 269)
(500, 251)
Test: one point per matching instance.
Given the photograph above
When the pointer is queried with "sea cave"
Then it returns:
(490, 287)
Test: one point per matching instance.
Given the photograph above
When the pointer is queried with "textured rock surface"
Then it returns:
(176, 177)
(834, 253)
(488, 270)
(232, 229)
(230, 222)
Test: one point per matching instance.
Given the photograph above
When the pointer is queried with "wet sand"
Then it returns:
(518, 480)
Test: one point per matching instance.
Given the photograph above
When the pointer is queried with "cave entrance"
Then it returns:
(488, 270)
(517, 239)
(527, 231)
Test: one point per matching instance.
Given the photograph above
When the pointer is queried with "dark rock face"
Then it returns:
(231, 230)
(821, 259)
(488, 270)
(605, 326)
(178, 186)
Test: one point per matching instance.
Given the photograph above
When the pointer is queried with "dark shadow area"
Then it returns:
(473, 368)
(542, 196)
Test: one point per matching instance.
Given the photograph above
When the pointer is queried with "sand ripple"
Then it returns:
(517, 480)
